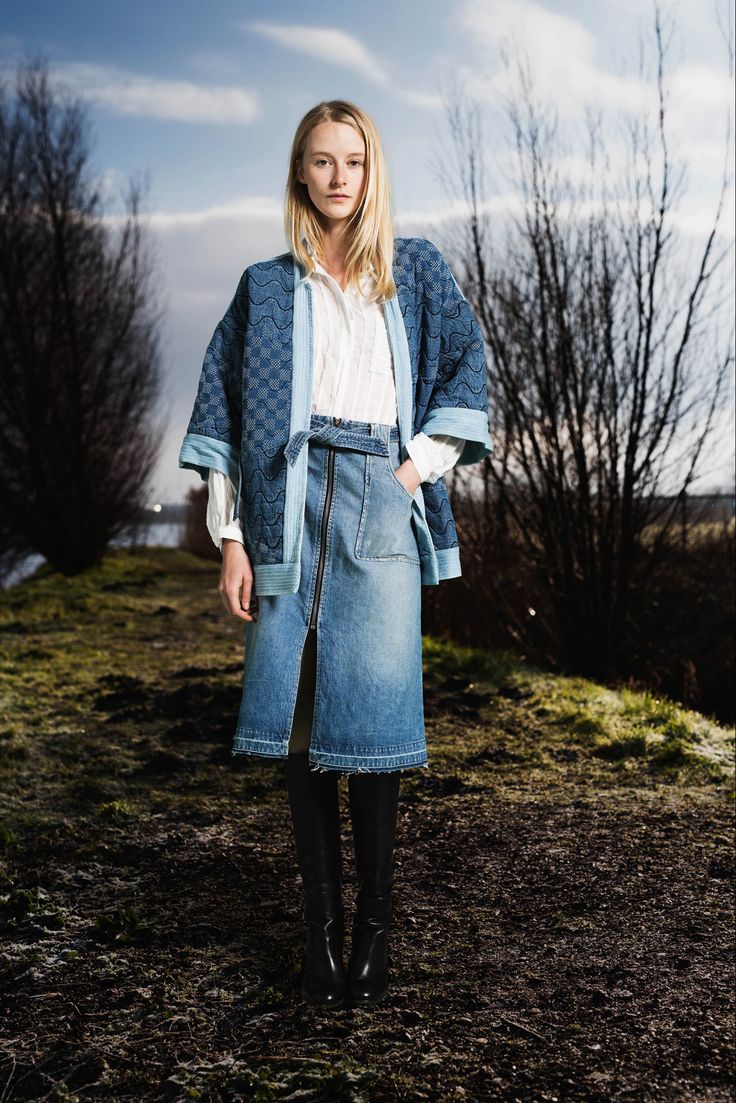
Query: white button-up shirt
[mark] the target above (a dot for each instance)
(352, 378)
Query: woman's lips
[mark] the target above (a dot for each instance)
(338, 197)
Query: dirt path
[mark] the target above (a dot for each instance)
(563, 923)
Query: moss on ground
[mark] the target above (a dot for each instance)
(564, 873)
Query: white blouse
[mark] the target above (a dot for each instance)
(353, 378)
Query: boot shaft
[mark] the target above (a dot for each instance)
(374, 800)
(315, 816)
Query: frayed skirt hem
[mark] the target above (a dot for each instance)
(327, 762)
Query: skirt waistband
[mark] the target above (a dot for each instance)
(362, 436)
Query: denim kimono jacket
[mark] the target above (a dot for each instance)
(254, 396)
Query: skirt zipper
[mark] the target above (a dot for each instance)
(323, 532)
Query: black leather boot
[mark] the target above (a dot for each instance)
(374, 800)
(315, 816)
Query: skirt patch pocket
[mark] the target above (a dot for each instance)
(386, 530)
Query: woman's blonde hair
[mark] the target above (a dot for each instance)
(371, 237)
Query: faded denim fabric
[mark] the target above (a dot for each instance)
(368, 707)
(254, 395)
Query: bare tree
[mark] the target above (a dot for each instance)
(607, 366)
(78, 338)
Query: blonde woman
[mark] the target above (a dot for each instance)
(345, 378)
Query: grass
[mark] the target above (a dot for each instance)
(562, 882)
(642, 739)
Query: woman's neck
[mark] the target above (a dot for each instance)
(335, 253)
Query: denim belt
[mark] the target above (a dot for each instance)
(365, 436)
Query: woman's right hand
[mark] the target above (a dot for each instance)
(236, 582)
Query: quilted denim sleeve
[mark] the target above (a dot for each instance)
(213, 436)
(459, 402)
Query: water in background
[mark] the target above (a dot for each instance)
(161, 532)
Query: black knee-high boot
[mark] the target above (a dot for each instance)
(374, 800)
(315, 815)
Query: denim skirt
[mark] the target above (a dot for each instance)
(350, 638)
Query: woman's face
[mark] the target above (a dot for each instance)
(334, 165)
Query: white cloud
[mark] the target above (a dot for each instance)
(561, 55)
(430, 100)
(338, 47)
(129, 93)
(326, 43)
(698, 99)
(567, 64)
(255, 207)
(567, 67)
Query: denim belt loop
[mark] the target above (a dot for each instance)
(386, 433)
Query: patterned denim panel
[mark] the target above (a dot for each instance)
(267, 412)
(421, 306)
(455, 369)
(244, 394)
(447, 355)
(217, 410)
(438, 512)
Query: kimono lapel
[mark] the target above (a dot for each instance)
(301, 393)
(301, 405)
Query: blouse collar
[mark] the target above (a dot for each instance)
(367, 281)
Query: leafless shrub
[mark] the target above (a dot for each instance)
(78, 338)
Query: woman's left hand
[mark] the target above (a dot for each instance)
(408, 475)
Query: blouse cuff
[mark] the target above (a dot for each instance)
(221, 522)
(433, 455)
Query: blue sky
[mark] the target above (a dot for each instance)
(204, 100)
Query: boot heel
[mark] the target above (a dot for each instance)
(323, 977)
(367, 980)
